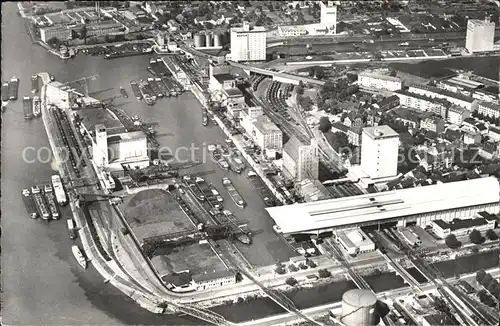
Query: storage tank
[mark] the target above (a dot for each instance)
(199, 41)
(208, 40)
(217, 40)
(359, 308)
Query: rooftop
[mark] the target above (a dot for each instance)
(126, 136)
(461, 224)
(212, 276)
(221, 78)
(445, 92)
(292, 147)
(369, 208)
(255, 29)
(94, 116)
(380, 132)
(233, 92)
(466, 83)
(480, 22)
(438, 319)
(265, 125)
(423, 97)
(340, 126)
(380, 76)
(490, 105)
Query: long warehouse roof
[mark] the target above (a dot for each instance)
(337, 212)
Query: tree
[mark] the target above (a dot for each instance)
(320, 72)
(325, 124)
(393, 73)
(292, 268)
(490, 234)
(480, 276)
(297, 6)
(280, 268)
(302, 266)
(452, 242)
(323, 273)
(300, 90)
(476, 237)
(311, 72)
(310, 263)
(486, 279)
(54, 43)
(291, 281)
(338, 141)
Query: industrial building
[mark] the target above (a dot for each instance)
(223, 86)
(460, 85)
(328, 16)
(355, 242)
(467, 102)
(379, 152)
(263, 131)
(419, 205)
(378, 81)
(463, 227)
(291, 31)
(248, 43)
(61, 32)
(212, 280)
(480, 35)
(300, 161)
(208, 40)
(359, 308)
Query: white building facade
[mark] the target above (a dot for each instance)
(377, 81)
(379, 152)
(328, 17)
(480, 35)
(263, 131)
(248, 43)
(300, 161)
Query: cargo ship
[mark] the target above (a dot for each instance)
(204, 117)
(233, 193)
(5, 92)
(123, 92)
(207, 192)
(34, 84)
(27, 107)
(36, 106)
(261, 188)
(80, 258)
(135, 90)
(146, 93)
(196, 191)
(29, 203)
(71, 228)
(40, 204)
(49, 197)
(59, 190)
(13, 88)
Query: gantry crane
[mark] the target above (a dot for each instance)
(84, 79)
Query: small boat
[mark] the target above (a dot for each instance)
(80, 258)
(216, 193)
(13, 88)
(223, 164)
(36, 106)
(123, 92)
(34, 84)
(5, 92)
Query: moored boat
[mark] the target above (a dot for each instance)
(196, 191)
(223, 164)
(135, 90)
(34, 84)
(233, 193)
(27, 107)
(40, 203)
(29, 203)
(59, 190)
(5, 92)
(216, 193)
(13, 88)
(261, 188)
(36, 106)
(80, 258)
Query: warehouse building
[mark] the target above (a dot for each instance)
(419, 205)
(463, 227)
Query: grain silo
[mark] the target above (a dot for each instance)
(217, 40)
(199, 41)
(359, 308)
(208, 40)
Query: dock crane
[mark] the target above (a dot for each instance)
(84, 79)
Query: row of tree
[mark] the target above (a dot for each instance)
(490, 284)
(485, 117)
(475, 237)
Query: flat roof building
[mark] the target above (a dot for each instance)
(379, 152)
(300, 160)
(379, 81)
(422, 205)
(480, 35)
(248, 43)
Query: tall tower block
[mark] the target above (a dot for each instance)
(100, 147)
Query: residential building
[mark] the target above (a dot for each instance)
(379, 151)
(472, 138)
(328, 16)
(480, 35)
(467, 102)
(339, 127)
(424, 103)
(380, 82)
(354, 136)
(489, 109)
(408, 117)
(457, 114)
(461, 227)
(62, 33)
(387, 103)
(494, 134)
(212, 280)
(262, 130)
(489, 150)
(300, 161)
(248, 43)
(433, 123)
(291, 31)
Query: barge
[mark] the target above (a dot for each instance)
(51, 201)
(207, 192)
(261, 188)
(29, 203)
(71, 228)
(196, 191)
(13, 88)
(135, 90)
(162, 87)
(80, 258)
(36, 106)
(40, 203)
(204, 117)
(34, 84)
(5, 92)
(59, 190)
(233, 193)
(27, 107)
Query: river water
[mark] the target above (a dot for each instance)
(42, 283)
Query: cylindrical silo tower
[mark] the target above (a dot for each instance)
(359, 308)
(217, 40)
(208, 40)
(199, 41)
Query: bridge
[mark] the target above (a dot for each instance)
(277, 76)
